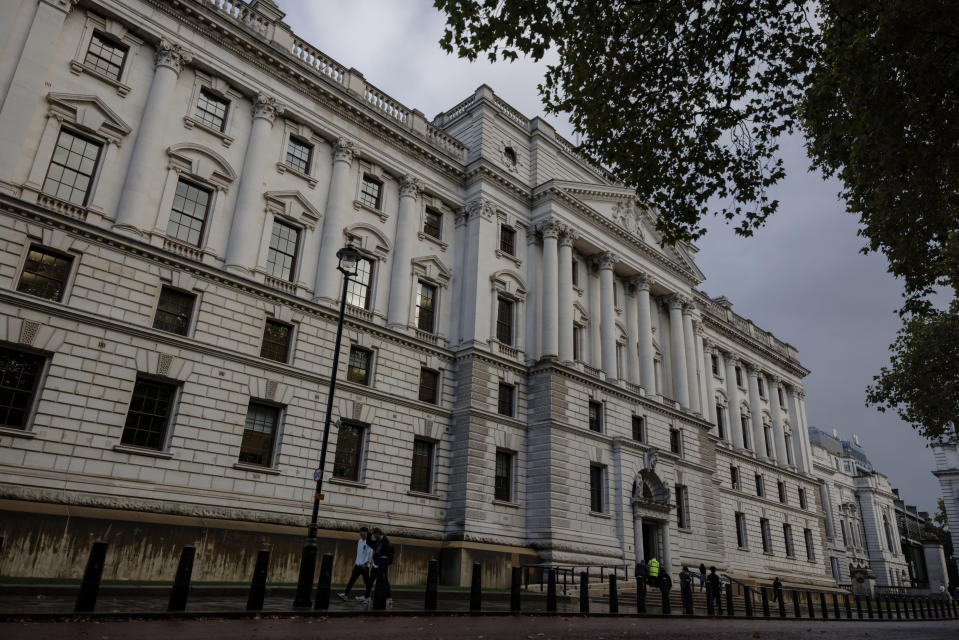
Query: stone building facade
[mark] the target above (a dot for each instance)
(527, 375)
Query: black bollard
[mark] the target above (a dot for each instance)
(922, 610)
(869, 606)
(748, 602)
(641, 594)
(476, 588)
(90, 586)
(730, 608)
(822, 605)
(915, 615)
(835, 605)
(583, 592)
(613, 596)
(551, 591)
(709, 600)
(304, 583)
(859, 607)
(181, 581)
(379, 588)
(845, 600)
(782, 604)
(665, 599)
(812, 612)
(928, 608)
(796, 606)
(879, 606)
(765, 599)
(515, 603)
(895, 601)
(433, 580)
(254, 601)
(905, 607)
(323, 589)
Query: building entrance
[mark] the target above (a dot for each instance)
(651, 547)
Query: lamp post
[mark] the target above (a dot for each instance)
(348, 257)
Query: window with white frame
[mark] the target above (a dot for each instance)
(742, 538)
(282, 252)
(72, 168)
(360, 288)
(597, 488)
(188, 215)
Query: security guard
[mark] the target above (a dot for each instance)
(653, 565)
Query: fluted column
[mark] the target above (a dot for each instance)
(550, 231)
(689, 347)
(756, 415)
(779, 434)
(701, 371)
(534, 277)
(632, 344)
(595, 313)
(247, 228)
(401, 280)
(677, 341)
(133, 213)
(607, 313)
(732, 394)
(566, 239)
(807, 447)
(799, 454)
(708, 380)
(338, 202)
(647, 368)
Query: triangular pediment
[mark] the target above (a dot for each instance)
(432, 267)
(90, 113)
(293, 205)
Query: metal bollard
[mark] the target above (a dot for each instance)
(551, 591)
(879, 606)
(765, 599)
(90, 586)
(845, 599)
(869, 606)
(710, 610)
(822, 605)
(583, 592)
(782, 604)
(730, 608)
(859, 607)
(796, 605)
(915, 615)
(613, 596)
(905, 607)
(181, 581)
(323, 585)
(895, 601)
(254, 601)
(748, 602)
(835, 605)
(433, 580)
(476, 588)
(641, 594)
(665, 600)
(922, 609)
(515, 603)
(812, 612)
(379, 589)
(304, 582)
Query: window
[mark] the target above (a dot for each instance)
(359, 288)
(734, 477)
(276, 341)
(597, 497)
(429, 383)
(299, 154)
(834, 564)
(788, 538)
(349, 449)
(639, 429)
(371, 192)
(105, 57)
(174, 310)
(433, 223)
(577, 343)
(507, 240)
(421, 477)
(888, 532)
(620, 361)
(281, 256)
(767, 436)
(781, 487)
(842, 528)
(739, 376)
(721, 421)
(191, 204)
(19, 375)
(259, 434)
(762, 387)
(71, 168)
(596, 416)
(810, 549)
(741, 538)
(358, 369)
(682, 506)
(211, 110)
(676, 441)
(767, 536)
(575, 272)
(150, 409)
(426, 307)
(45, 273)
(789, 449)
(505, 401)
(714, 360)
(802, 498)
(760, 487)
(510, 155)
(615, 294)
(744, 423)
(779, 391)
(504, 320)
(503, 480)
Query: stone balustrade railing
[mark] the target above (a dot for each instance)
(386, 104)
(317, 61)
(746, 326)
(239, 11)
(447, 142)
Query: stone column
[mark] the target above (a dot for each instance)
(779, 434)
(804, 432)
(632, 344)
(133, 213)
(338, 203)
(534, 277)
(401, 281)
(708, 380)
(595, 313)
(666, 555)
(689, 347)
(701, 371)
(565, 279)
(756, 415)
(607, 313)
(550, 231)
(799, 455)
(678, 352)
(647, 369)
(638, 535)
(247, 230)
(732, 395)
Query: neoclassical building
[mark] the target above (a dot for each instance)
(527, 375)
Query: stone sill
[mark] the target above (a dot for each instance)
(505, 503)
(282, 167)
(17, 433)
(360, 206)
(78, 67)
(502, 254)
(270, 471)
(150, 453)
(190, 122)
(420, 494)
(601, 514)
(347, 483)
(428, 238)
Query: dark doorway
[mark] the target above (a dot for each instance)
(651, 541)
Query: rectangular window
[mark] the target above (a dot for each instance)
(789, 449)
(421, 476)
(149, 414)
(760, 487)
(762, 387)
(781, 487)
(105, 56)
(426, 307)
(577, 343)
(45, 273)
(299, 154)
(191, 204)
(349, 449)
(768, 436)
(276, 341)
(810, 549)
(281, 256)
(788, 538)
(507, 240)
(744, 423)
(371, 192)
(676, 441)
(575, 272)
(433, 223)
(597, 491)
(358, 369)
(596, 416)
(734, 477)
(721, 421)
(19, 376)
(360, 286)
(174, 311)
(505, 402)
(767, 536)
(504, 321)
(682, 506)
(741, 538)
(802, 498)
(842, 528)
(715, 363)
(834, 563)
(639, 429)
(259, 434)
(620, 361)
(211, 110)
(739, 376)
(429, 383)
(779, 391)
(71, 168)
(503, 480)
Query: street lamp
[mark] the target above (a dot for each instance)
(348, 257)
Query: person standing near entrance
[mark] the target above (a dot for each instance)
(777, 590)
(361, 566)
(686, 589)
(642, 577)
(713, 590)
(653, 565)
(382, 559)
(702, 576)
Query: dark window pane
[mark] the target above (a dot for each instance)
(71, 168)
(149, 414)
(349, 443)
(276, 341)
(422, 472)
(432, 226)
(299, 154)
(596, 488)
(358, 369)
(720, 422)
(575, 272)
(675, 442)
(639, 429)
(370, 192)
(281, 257)
(503, 479)
(259, 434)
(507, 240)
(105, 57)
(425, 307)
(19, 374)
(188, 214)
(174, 311)
(211, 110)
(45, 274)
(506, 393)
(504, 321)
(428, 385)
(359, 288)
(596, 416)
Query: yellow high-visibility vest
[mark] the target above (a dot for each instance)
(654, 568)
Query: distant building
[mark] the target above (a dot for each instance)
(946, 455)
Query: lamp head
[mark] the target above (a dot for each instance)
(348, 257)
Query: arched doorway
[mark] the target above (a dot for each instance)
(651, 507)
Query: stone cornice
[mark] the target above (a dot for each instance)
(770, 467)
(751, 344)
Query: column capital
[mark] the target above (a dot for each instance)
(606, 260)
(643, 281)
(171, 55)
(775, 379)
(550, 228)
(410, 187)
(265, 107)
(567, 236)
(344, 150)
(482, 207)
(677, 302)
(708, 345)
(730, 357)
(752, 370)
(63, 5)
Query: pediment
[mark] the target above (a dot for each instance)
(90, 113)
(432, 267)
(293, 205)
(202, 162)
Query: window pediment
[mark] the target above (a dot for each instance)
(203, 163)
(370, 239)
(89, 113)
(510, 283)
(431, 267)
(292, 205)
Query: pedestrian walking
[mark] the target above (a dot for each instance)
(714, 591)
(642, 573)
(361, 566)
(777, 590)
(686, 589)
(702, 576)
(382, 559)
(653, 565)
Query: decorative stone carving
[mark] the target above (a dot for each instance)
(626, 216)
(567, 236)
(265, 107)
(677, 301)
(607, 260)
(410, 187)
(345, 150)
(172, 55)
(643, 282)
(480, 207)
(550, 228)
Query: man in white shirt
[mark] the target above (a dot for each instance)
(361, 567)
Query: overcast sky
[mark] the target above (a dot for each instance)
(801, 277)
